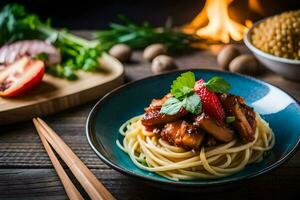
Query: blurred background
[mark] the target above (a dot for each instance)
(88, 14)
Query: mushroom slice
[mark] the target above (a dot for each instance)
(216, 128)
(245, 122)
(183, 134)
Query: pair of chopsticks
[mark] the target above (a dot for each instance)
(85, 177)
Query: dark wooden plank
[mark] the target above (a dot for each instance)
(44, 184)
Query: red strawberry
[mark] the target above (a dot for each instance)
(210, 101)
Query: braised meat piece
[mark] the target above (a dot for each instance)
(216, 128)
(153, 117)
(157, 103)
(182, 134)
(245, 122)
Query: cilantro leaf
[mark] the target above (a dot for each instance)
(217, 84)
(230, 119)
(183, 85)
(192, 103)
(171, 106)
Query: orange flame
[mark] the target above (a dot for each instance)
(256, 6)
(220, 27)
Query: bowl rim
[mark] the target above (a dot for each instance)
(216, 182)
(261, 53)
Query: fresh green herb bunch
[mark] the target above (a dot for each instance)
(77, 53)
(16, 24)
(139, 36)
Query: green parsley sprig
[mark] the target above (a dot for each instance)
(184, 95)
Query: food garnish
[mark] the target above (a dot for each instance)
(192, 95)
(171, 106)
(210, 101)
(230, 119)
(153, 115)
(184, 96)
(217, 84)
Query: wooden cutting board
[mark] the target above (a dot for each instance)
(56, 94)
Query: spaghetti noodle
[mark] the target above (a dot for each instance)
(149, 152)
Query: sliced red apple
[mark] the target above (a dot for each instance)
(21, 76)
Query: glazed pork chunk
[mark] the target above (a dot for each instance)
(182, 134)
(153, 117)
(245, 122)
(217, 129)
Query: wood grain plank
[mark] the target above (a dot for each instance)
(43, 183)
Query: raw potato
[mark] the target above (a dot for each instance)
(121, 51)
(162, 63)
(153, 51)
(226, 55)
(244, 64)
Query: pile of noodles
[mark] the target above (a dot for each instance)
(151, 153)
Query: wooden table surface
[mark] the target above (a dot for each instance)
(27, 173)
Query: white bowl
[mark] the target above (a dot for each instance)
(288, 68)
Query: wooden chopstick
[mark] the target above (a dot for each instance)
(85, 177)
(70, 189)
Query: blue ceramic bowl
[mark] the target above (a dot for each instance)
(276, 107)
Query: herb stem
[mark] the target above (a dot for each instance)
(64, 35)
